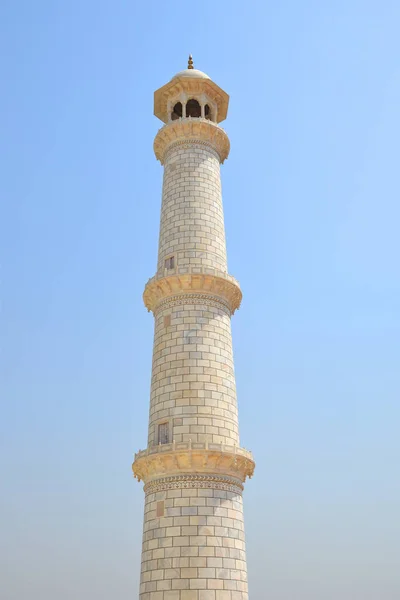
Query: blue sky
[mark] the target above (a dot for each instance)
(311, 197)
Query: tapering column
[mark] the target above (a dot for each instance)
(193, 467)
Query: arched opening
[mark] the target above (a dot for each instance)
(207, 112)
(193, 108)
(177, 111)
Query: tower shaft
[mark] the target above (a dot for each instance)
(193, 467)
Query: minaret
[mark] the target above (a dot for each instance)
(193, 468)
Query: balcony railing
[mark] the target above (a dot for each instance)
(192, 270)
(188, 446)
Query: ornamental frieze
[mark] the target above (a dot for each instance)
(175, 482)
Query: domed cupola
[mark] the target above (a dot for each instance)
(191, 93)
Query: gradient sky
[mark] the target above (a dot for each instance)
(311, 197)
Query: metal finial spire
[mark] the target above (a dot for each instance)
(190, 62)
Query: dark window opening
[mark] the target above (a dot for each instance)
(160, 508)
(170, 262)
(177, 111)
(207, 112)
(193, 109)
(163, 433)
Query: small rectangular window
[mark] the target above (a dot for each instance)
(170, 262)
(163, 437)
(167, 320)
(160, 508)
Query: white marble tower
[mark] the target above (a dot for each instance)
(193, 468)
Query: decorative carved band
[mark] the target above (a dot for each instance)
(229, 484)
(199, 458)
(198, 130)
(182, 285)
(207, 299)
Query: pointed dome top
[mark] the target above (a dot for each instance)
(191, 71)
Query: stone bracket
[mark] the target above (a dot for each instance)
(202, 458)
(221, 285)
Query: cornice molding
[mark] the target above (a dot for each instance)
(186, 131)
(215, 285)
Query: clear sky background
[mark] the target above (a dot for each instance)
(311, 196)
